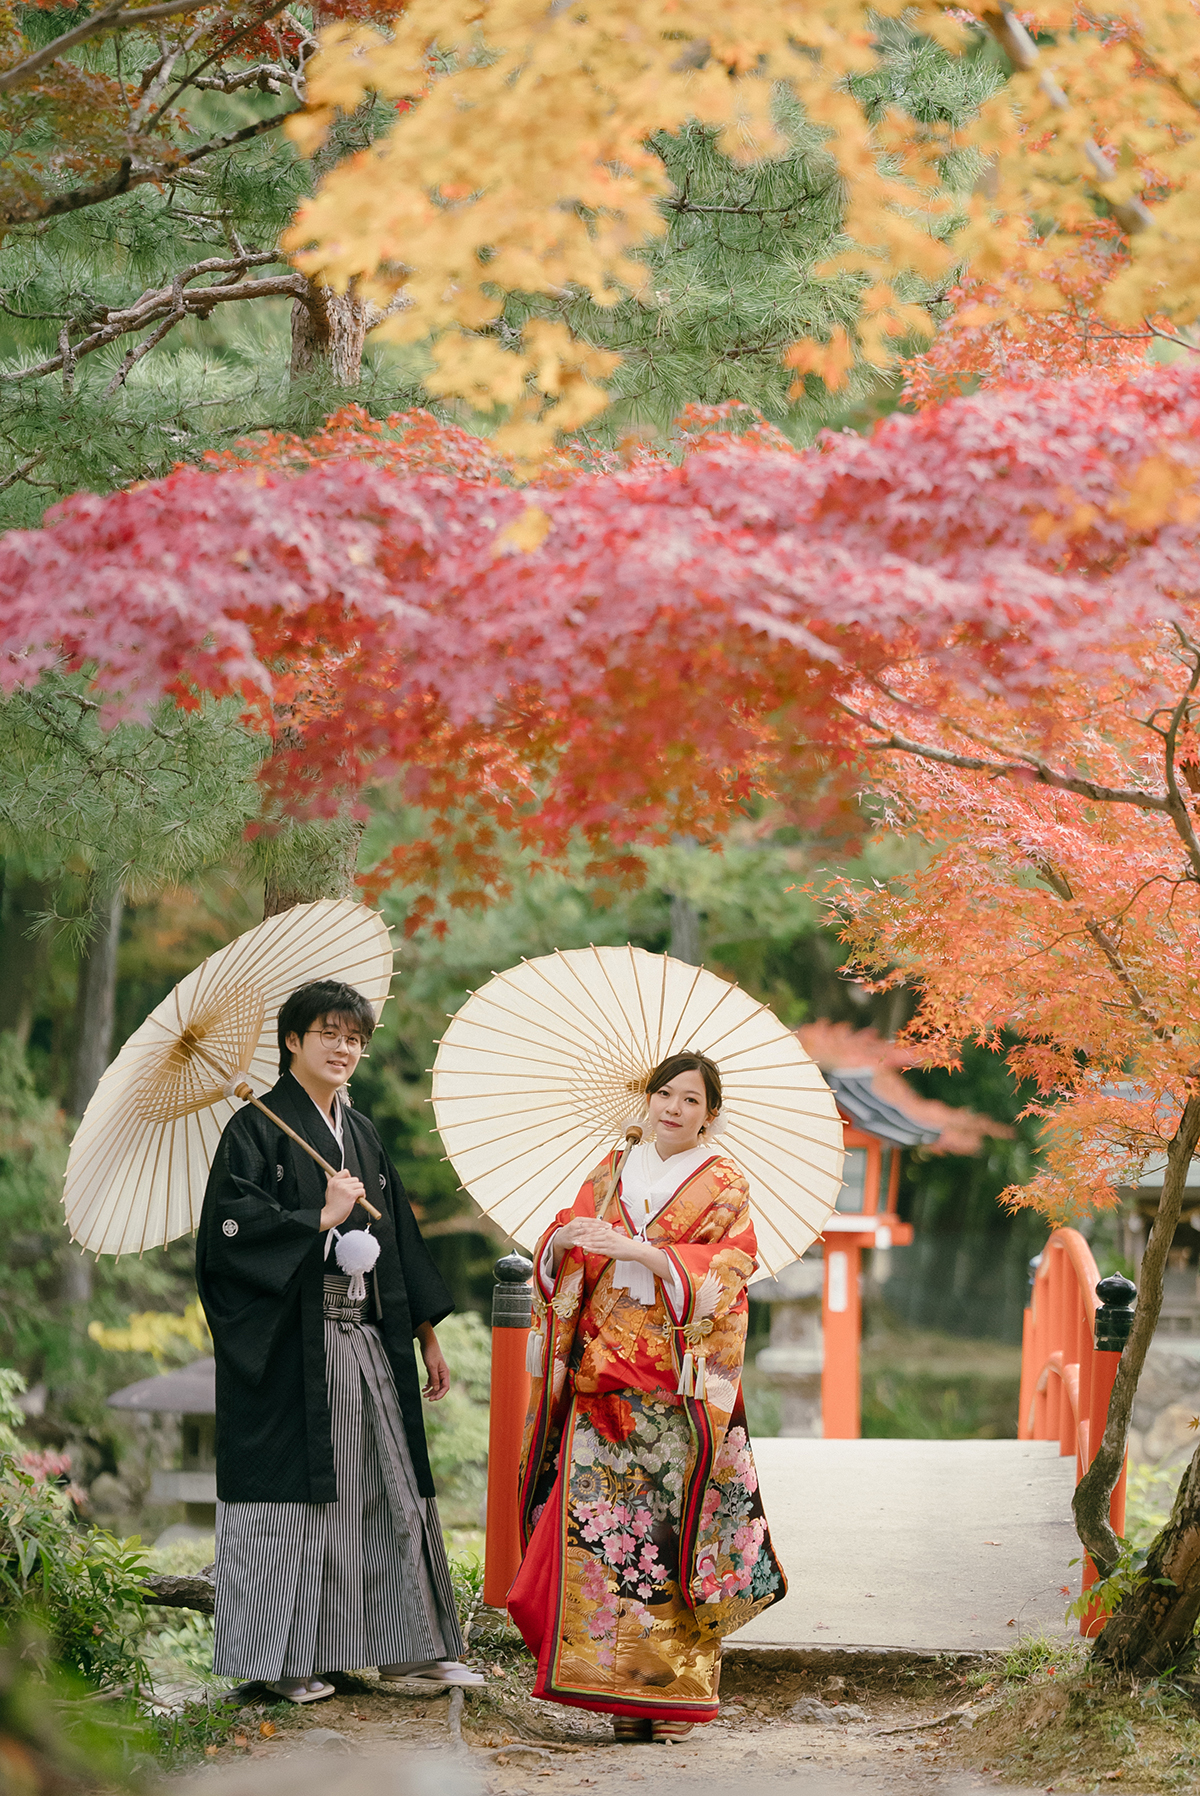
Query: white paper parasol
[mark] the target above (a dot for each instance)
(541, 1069)
(140, 1159)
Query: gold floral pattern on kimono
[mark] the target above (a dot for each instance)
(638, 1481)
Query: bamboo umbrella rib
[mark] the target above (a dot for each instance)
(777, 1195)
(476, 1022)
(794, 1159)
(667, 1048)
(617, 999)
(474, 1147)
(557, 1152)
(562, 996)
(748, 1017)
(482, 997)
(599, 1019)
(580, 1163)
(694, 1030)
(506, 1054)
(112, 1193)
(798, 1153)
(757, 1047)
(162, 1134)
(96, 1188)
(637, 986)
(744, 1107)
(474, 1097)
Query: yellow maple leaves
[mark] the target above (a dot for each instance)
(520, 162)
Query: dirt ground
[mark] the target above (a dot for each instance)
(864, 1727)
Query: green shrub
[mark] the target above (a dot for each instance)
(79, 1586)
(457, 1426)
(186, 1640)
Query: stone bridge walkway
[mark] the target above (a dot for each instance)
(944, 1546)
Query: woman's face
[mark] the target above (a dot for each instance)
(679, 1111)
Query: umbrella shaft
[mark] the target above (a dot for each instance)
(631, 1142)
(312, 1153)
(244, 1091)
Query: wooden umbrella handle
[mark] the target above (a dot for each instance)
(633, 1135)
(244, 1091)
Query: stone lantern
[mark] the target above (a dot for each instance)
(189, 1393)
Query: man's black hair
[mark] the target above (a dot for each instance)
(324, 998)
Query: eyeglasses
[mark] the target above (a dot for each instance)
(333, 1038)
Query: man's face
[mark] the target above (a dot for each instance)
(329, 1050)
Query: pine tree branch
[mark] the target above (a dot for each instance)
(173, 302)
(1133, 215)
(679, 203)
(20, 473)
(125, 178)
(276, 6)
(110, 18)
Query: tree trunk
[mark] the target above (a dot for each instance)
(685, 931)
(22, 958)
(311, 861)
(1095, 1488)
(328, 332)
(1153, 1627)
(95, 1003)
(95, 1007)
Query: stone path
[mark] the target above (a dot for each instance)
(930, 1545)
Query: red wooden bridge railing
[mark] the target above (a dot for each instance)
(1066, 1377)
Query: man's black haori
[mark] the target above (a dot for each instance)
(260, 1269)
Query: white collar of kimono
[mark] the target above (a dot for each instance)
(648, 1184)
(335, 1127)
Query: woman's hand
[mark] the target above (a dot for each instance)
(435, 1365)
(613, 1244)
(342, 1192)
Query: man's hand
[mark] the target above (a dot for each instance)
(342, 1192)
(435, 1365)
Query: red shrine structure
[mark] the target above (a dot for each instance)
(883, 1115)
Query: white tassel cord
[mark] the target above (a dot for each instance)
(701, 1381)
(356, 1253)
(535, 1347)
(684, 1387)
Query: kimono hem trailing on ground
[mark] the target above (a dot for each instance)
(645, 1539)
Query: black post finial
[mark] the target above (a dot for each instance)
(1114, 1318)
(512, 1294)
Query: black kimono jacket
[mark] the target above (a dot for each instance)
(260, 1269)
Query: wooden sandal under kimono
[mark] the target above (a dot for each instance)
(666, 1731)
(302, 1689)
(630, 1730)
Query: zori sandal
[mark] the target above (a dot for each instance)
(433, 1671)
(630, 1730)
(302, 1689)
(667, 1731)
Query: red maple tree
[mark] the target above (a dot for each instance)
(621, 653)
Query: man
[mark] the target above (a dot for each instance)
(329, 1549)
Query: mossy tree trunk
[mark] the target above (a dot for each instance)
(1152, 1629)
(1095, 1488)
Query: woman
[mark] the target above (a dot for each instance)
(329, 1549)
(644, 1533)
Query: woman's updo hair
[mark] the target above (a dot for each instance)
(688, 1063)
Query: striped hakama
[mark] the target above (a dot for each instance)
(303, 1588)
